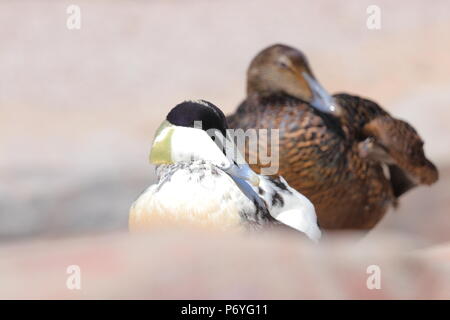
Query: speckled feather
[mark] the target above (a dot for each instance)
(200, 194)
(320, 155)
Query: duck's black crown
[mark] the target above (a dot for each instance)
(187, 113)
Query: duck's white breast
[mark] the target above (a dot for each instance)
(191, 194)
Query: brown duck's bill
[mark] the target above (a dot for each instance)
(322, 100)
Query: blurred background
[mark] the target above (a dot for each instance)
(78, 108)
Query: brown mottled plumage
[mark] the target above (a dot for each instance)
(351, 158)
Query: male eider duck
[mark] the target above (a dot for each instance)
(350, 157)
(200, 184)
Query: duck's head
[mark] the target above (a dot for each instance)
(197, 130)
(280, 69)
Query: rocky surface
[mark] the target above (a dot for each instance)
(188, 264)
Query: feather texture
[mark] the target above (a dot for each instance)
(198, 193)
(320, 155)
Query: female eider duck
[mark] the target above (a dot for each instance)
(351, 158)
(199, 183)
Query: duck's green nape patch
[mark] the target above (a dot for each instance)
(161, 152)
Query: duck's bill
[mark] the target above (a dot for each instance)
(321, 100)
(243, 171)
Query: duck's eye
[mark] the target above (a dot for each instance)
(283, 65)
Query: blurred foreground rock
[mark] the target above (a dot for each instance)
(189, 264)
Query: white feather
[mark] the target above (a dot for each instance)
(191, 195)
(296, 212)
(190, 144)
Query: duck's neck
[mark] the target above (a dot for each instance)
(262, 98)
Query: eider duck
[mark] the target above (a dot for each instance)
(350, 157)
(200, 183)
